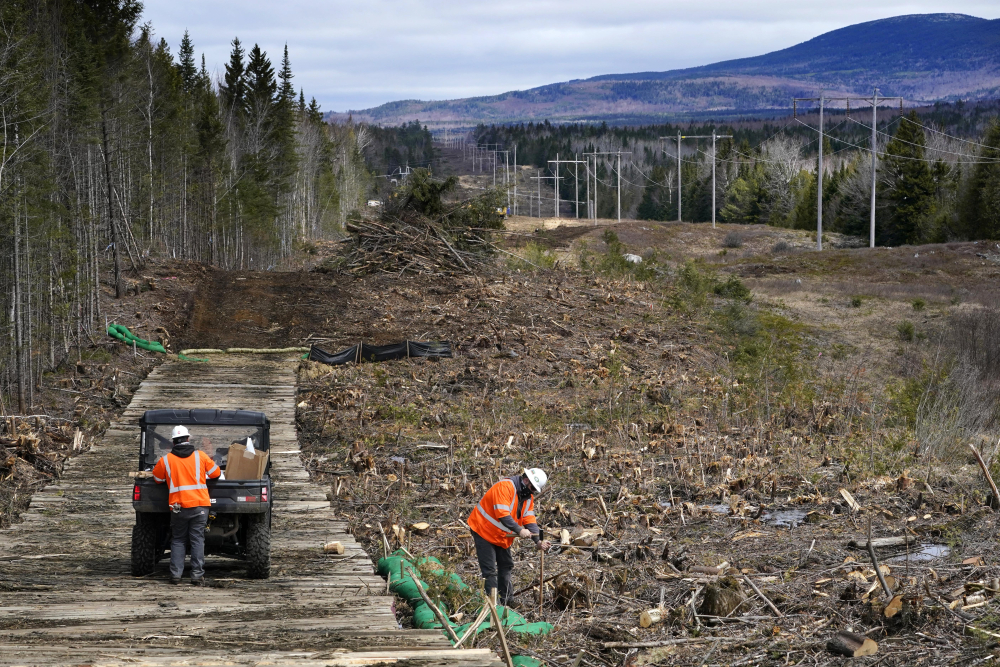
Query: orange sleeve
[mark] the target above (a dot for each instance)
(160, 471)
(529, 513)
(212, 470)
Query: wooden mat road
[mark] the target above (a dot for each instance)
(67, 596)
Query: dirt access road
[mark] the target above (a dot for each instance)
(68, 596)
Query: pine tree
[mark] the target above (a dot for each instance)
(261, 87)
(981, 205)
(907, 187)
(185, 57)
(315, 115)
(286, 93)
(234, 88)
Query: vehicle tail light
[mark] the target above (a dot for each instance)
(136, 493)
(263, 494)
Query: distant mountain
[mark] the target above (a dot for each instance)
(922, 57)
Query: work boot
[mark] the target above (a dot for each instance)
(198, 582)
(175, 580)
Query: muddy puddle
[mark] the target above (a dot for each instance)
(785, 518)
(923, 553)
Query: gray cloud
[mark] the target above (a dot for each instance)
(354, 55)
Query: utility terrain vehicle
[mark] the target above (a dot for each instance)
(239, 521)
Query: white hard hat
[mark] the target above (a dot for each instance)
(179, 432)
(537, 477)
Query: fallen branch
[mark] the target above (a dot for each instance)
(670, 642)
(483, 613)
(878, 572)
(437, 612)
(986, 471)
(777, 612)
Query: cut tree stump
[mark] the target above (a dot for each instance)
(851, 645)
(650, 617)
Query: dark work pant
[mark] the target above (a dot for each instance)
(186, 526)
(496, 565)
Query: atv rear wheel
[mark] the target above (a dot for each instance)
(145, 545)
(259, 546)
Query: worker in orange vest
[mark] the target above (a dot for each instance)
(505, 511)
(186, 470)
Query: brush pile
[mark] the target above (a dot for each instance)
(32, 455)
(418, 232)
(394, 245)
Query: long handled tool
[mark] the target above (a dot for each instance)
(541, 581)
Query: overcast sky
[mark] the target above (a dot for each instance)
(358, 54)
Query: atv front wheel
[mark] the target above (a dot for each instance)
(145, 545)
(259, 546)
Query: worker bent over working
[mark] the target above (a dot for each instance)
(507, 510)
(186, 471)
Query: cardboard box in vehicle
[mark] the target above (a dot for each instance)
(241, 464)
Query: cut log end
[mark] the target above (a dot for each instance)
(851, 645)
(334, 548)
(650, 617)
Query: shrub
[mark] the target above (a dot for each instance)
(733, 240)
(856, 302)
(613, 262)
(534, 256)
(781, 246)
(734, 289)
(919, 304)
(906, 330)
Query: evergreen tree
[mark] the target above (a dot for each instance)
(907, 187)
(234, 89)
(656, 203)
(981, 205)
(185, 58)
(286, 93)
(261, 87)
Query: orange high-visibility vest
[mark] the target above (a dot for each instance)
(186, 477)
(500, 501)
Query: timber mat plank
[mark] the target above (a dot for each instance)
(67, 597)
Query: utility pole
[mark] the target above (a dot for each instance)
(515, 179)
(539, 177)
(822, 99)
(619, 170)
(576, 180)
(819, 182)
(576, 176)
(819, 165)
(619, 156)
(555, 186)
(871, 227)
(680, 218)
(713, 137)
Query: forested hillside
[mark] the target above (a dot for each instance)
(115, 148)
(938, 172)
(922, 57)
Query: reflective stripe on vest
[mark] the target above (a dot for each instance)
(197, 475)
(496, 523)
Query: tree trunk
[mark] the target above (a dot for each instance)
(115, 236)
